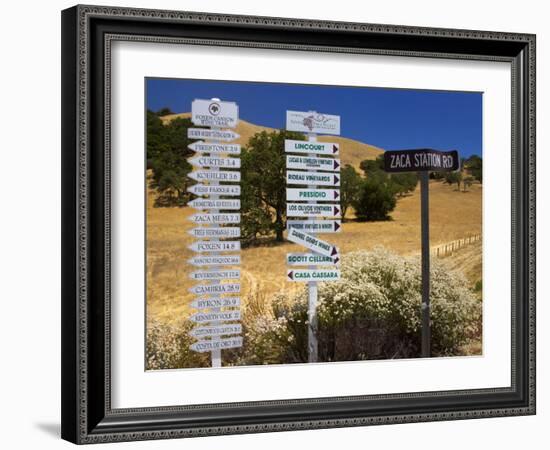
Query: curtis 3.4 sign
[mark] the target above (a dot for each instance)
(419, 160)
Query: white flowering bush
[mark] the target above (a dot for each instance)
(373, 312)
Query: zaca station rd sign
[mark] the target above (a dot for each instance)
(215, 246)
(208, 346)
(214, 135)
(215, 316)
(216, 218)
(211, 161)
(310, 259)
(215, 175)
(229, 288)
(316, 226)
(315, 244)
(203, 147)
(419, 160)
(218, 260)
(215, 274)
(312, 210)
(313, 275)
(219, 233)
(318, 148)
(311, 163)
(214, 113)
(312, 194)
(219, 330)
(312, 178)
(216, 302)
(206, 203)
(228, 190)
(312, 122)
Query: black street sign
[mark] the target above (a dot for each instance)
(419, 160)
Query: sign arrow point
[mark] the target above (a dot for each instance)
(336, 165)
(336, 195)
(336, 179)
(290, 275)
(334, 251)
(334, 149)
(336, 226)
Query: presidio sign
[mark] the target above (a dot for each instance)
(214, 256)
(423, 161)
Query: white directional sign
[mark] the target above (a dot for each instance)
(311, 242)
(215, 316)
(206, 203)
(208, 346)
(229, 190)
(318, 178)
(316, 226)
(313, 275)
(203, 147)
(308, 162)
(215, 302)
(215, 274)
(222, 232)
(215, 135)
(229, 288)
(216, 218)
(218, 260)
(215, 246)
(219, 330)
(215, 175)
(319, 148)
(312, 210)
(310, 259)
(312, 122)
(211, 161)
(214, 113)
(313, 194)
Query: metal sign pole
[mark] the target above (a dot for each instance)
(425, 232)
(312, 296)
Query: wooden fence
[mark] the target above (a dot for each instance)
(449, 248)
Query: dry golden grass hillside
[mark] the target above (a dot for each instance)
(353, 152)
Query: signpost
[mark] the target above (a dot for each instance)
(213, 155)
(423, 161)
(312, 171)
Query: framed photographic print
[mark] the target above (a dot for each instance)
(280, 224)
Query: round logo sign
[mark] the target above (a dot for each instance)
(214, 109)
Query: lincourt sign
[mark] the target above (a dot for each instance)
(420, 160)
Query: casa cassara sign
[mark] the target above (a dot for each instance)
(420, 160)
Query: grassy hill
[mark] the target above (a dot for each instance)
(353, 152)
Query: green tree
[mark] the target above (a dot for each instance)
(263, 184)
(370, 166)
(474, 164)
(164, 111)
(350, 184)
(467, 182)
(404, 183)
(454, 177)
(376, 199)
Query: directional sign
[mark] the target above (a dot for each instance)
(312, 122)
(420, 160)
(311, 242)
(203, 147)
(214, 113)
(215, 246)
(313, 275)
(215, 135)
(308, 162)
(216, 218)
(318, 178)
(229, 190)
(215, 274)
(310, 259)
(229, 288)
(218, 260)
(215, 302)
(203, 203)
(222, 232)
(313, 194)
(312, 210)
(319, 148)
(315, 226)
(208, 346)
(210, 161)
(215, 175)
(215, 316)
(219, 330)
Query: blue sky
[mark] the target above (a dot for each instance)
(388, 118)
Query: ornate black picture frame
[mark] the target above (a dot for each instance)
(87, 35)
